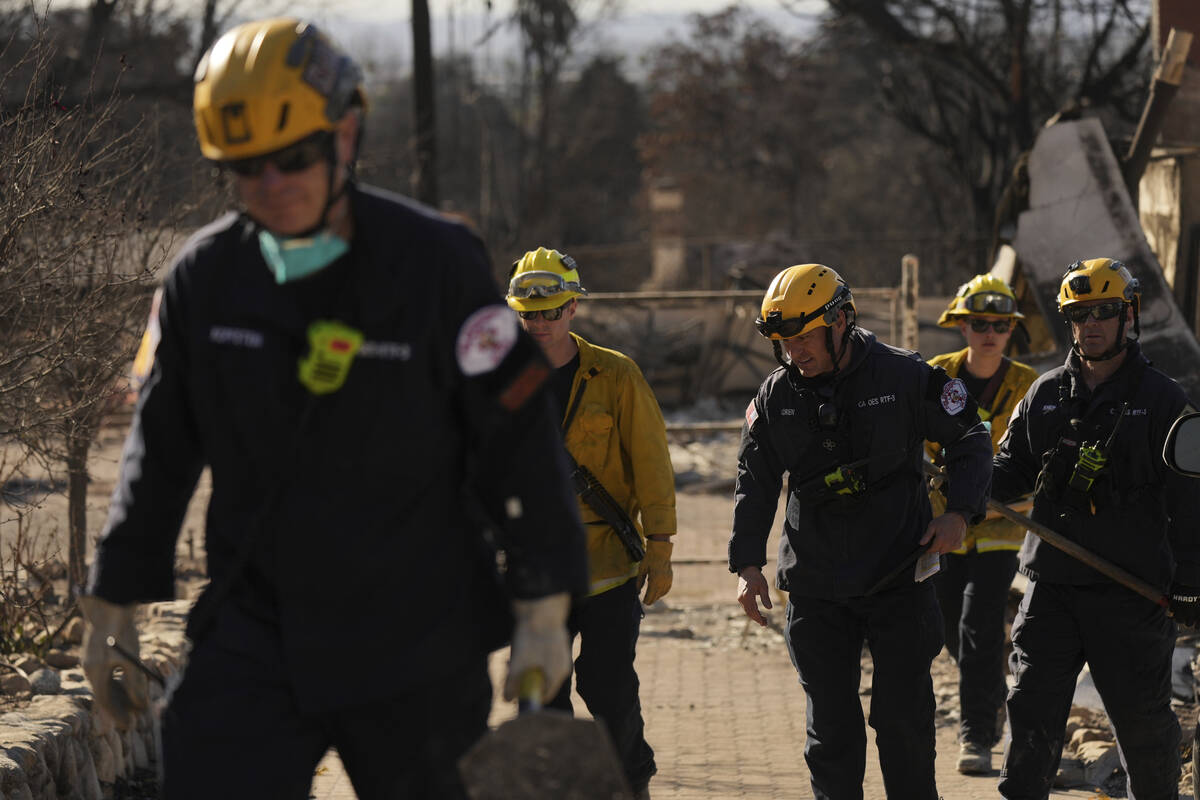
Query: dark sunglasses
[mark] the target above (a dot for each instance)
(550, 314)
(998, 325)
(293, 158)
(1081, 314)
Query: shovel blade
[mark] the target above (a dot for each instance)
(544, 754)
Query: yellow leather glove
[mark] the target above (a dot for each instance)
(122, 699)
(655, 571)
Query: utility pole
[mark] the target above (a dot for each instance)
(424, 178)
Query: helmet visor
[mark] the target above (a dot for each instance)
(541, 284)
(989, 303)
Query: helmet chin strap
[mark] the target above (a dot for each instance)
(794, 371)
(331, 196)
(1117, 348)
(837, 356)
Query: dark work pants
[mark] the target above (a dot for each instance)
(972, 590)
(825, 638)
(232, 728)
(607, 625)
(1127, 642)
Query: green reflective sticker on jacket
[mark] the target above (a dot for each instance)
(331, 349)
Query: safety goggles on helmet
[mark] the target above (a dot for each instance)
(541, 284)
(981, 325)
(294, 158)
(548, 314)
(775, 325)
(989, 303)
(1081, 314)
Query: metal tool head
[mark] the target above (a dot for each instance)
(544, 754)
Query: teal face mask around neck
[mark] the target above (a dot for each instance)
(291, 258)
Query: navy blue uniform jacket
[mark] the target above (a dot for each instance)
(887, 402)
(370, 543)
(1147, 518)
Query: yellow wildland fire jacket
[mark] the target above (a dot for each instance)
(618, 433)
(995, 532)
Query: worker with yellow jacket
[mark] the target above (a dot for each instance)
(616, 438)
(973, 584)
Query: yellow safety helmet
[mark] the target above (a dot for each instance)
(268, 84)
(1098, 279)
(802, 298)
(983, 294)
(543, 279)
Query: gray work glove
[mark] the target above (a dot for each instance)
(123, 699)
(540, 642)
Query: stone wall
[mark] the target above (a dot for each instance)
(58, 748)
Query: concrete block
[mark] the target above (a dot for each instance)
(1079, 208)
(1100, 761)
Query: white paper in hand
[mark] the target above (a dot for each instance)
(927, 566)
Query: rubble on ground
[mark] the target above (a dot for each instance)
(54, 744)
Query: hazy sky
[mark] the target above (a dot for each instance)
(382, 8)
(378, 33)
(377, 30)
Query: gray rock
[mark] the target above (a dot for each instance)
(67, 775)
(61, 659)
(45, 681)
(28, 664)
(89, 782)
(67, 711)
(14, 683)
(103, 758)
(1070, 773)
(12, 775)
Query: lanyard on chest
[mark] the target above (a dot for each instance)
(987, 402)
(1078, 471)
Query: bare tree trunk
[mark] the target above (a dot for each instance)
(425, 177)
(208, 31)
(78, 447)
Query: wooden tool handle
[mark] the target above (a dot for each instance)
(1072, 548)
(529, 692)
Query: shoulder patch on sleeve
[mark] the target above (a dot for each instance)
(751, 414)
(954, 396)
(485, 339)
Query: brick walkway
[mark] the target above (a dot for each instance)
(727, 722)
(724, 710)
